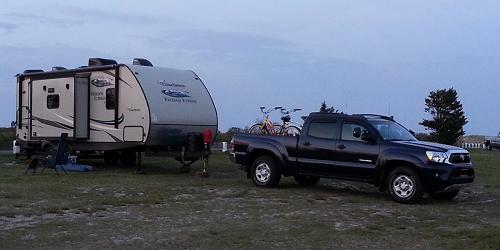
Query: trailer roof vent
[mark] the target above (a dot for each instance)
(101, 61)
(32, 71)
(57, 68)
(142, 62)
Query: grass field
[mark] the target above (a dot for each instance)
(116, 208)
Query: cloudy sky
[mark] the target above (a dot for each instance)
(358, 56)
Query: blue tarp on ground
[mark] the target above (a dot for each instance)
(73, 167)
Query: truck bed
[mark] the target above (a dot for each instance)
(285, 146)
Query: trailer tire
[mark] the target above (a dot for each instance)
(111, 157)
(265, 172)
(128, 158)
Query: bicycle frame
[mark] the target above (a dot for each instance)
(267, 124)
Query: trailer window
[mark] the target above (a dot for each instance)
(53, 101)
(110, 98)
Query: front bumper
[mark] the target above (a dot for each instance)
(443, 177)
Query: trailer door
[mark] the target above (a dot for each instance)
(82, 107)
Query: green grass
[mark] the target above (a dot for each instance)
(115, 208)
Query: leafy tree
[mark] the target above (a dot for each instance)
(448, 118)
(324, 108)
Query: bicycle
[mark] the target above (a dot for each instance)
(266, 127)
(288, 128)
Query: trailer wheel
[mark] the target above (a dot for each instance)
(128, 158)
(265, 172)
(111, 157)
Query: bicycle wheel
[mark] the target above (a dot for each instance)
(290, 131)
(276, 129)
(255, 129)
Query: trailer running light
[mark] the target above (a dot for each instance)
(207, 136)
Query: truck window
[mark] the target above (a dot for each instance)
(110, 98)
(348, 129)
(53, 101)
(323, 130)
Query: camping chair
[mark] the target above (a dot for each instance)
(54, 159)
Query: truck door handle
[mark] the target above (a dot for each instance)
(341, 147)
(307, 144)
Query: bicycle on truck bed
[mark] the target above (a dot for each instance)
(288, 128)
(267, 127)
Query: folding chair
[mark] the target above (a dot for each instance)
(54, 159)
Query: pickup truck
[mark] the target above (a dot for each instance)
(363, 147)
(493, 142)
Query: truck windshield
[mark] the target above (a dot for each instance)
(392, 131)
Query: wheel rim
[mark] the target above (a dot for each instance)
(403, 186)
(262, 172)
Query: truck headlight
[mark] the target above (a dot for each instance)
(436, 156)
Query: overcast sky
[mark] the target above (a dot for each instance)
(358, 56)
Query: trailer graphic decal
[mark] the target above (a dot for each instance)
(101, 82)
(119, 78)
(53, 124)
(175, 93)
(112, 136)
(109, 122)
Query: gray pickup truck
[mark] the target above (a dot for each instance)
(493, 142)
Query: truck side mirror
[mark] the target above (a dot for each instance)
(356, 132)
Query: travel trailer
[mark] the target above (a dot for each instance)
(115, 109)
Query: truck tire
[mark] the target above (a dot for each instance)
(265, 172)
(444, 195)
(404, 185)
(306, 180)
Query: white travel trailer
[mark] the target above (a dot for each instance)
(112, 108)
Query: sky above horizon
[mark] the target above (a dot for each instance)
(359, 56)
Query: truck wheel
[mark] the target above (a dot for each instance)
(444, 195)
(404, 185)
(265, 172)
(306, 180)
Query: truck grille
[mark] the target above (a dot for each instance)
(459, 158)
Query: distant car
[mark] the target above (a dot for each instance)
(493, 142)
(366, 148)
